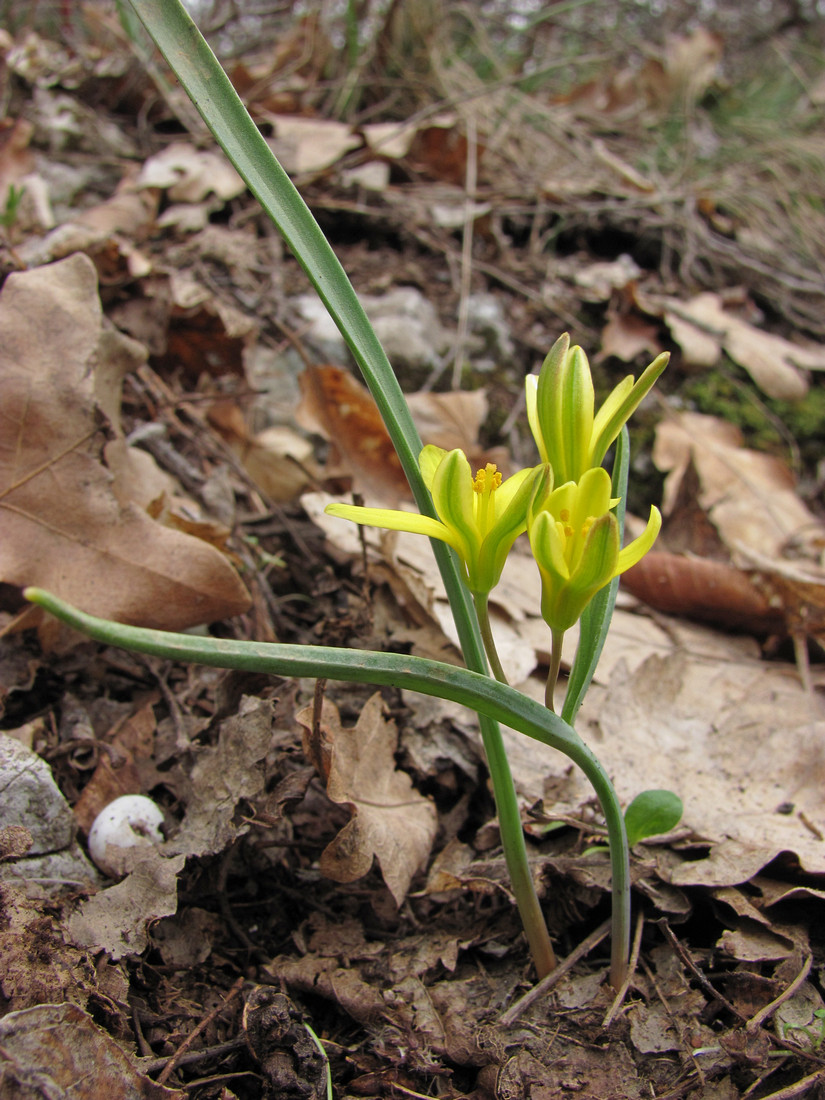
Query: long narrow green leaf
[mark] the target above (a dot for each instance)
(200, 73)
(210, 89)
(595, 622)
(479, 692)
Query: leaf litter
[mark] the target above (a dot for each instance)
(347, 854)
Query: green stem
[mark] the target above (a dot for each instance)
(481, 601)
(211, 91)
(553, 673)
(479, 692)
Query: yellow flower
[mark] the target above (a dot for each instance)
(560, 404)
(575, 541)
(480, 517)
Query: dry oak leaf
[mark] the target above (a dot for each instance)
(342, 409)
(58, 1051)
(776, 365)
(63, 527)
(749, 497)
(712, 591)
(391, 820)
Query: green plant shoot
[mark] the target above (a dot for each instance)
(472, 521)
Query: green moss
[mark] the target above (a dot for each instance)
(767, 424)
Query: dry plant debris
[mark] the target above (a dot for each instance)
(156, 433)
(391, 821)
(64, 520)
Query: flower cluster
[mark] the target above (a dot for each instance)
(573, 532)
(480, 517)
(564, 503)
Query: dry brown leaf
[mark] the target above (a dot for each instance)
(683, 72)
(439, 150)
(59, 1051)
(771, 361)
(342, 409)
(338, 406)
(115, 920)
(700, 349)
(127, 216)
(798, 592)
(698, 589)
(749, 497)
(597, 281)
(190, 174)
(63, 527)
(278, 460)
(627, 336)
(389, 139)
(36, 963)
(309, 144)
(186, 938)
(451, 420)
(391, 821)
(737, 739)
(137, 477)
(131, 739)
(223, 776)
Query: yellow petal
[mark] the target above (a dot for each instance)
(428, 462)
(576, 414)
(530, 387)
(640, 546)
(508, 489)
(453, 499)
(621, 404)
(392, 520)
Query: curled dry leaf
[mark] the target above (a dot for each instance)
(63, 526)
(125, 217)
(190, 174)
(310, 144)
(37, 964)
(712, 591)
(391, 820)
(627, 336)
(116, 920)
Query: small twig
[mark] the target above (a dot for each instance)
(799, 1089)
(192, 1057)
(190, 1038)
(509, 1017)
(217, 1078)
(765, 1013)
(674, 1022)
(759, 1081)
(182, 741)
(143, 1046)
(696, 972)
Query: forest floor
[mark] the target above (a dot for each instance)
(331, 896)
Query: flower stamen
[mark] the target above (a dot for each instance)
(488, 479)
(485, 484)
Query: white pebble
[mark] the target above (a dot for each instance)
(130, 822)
